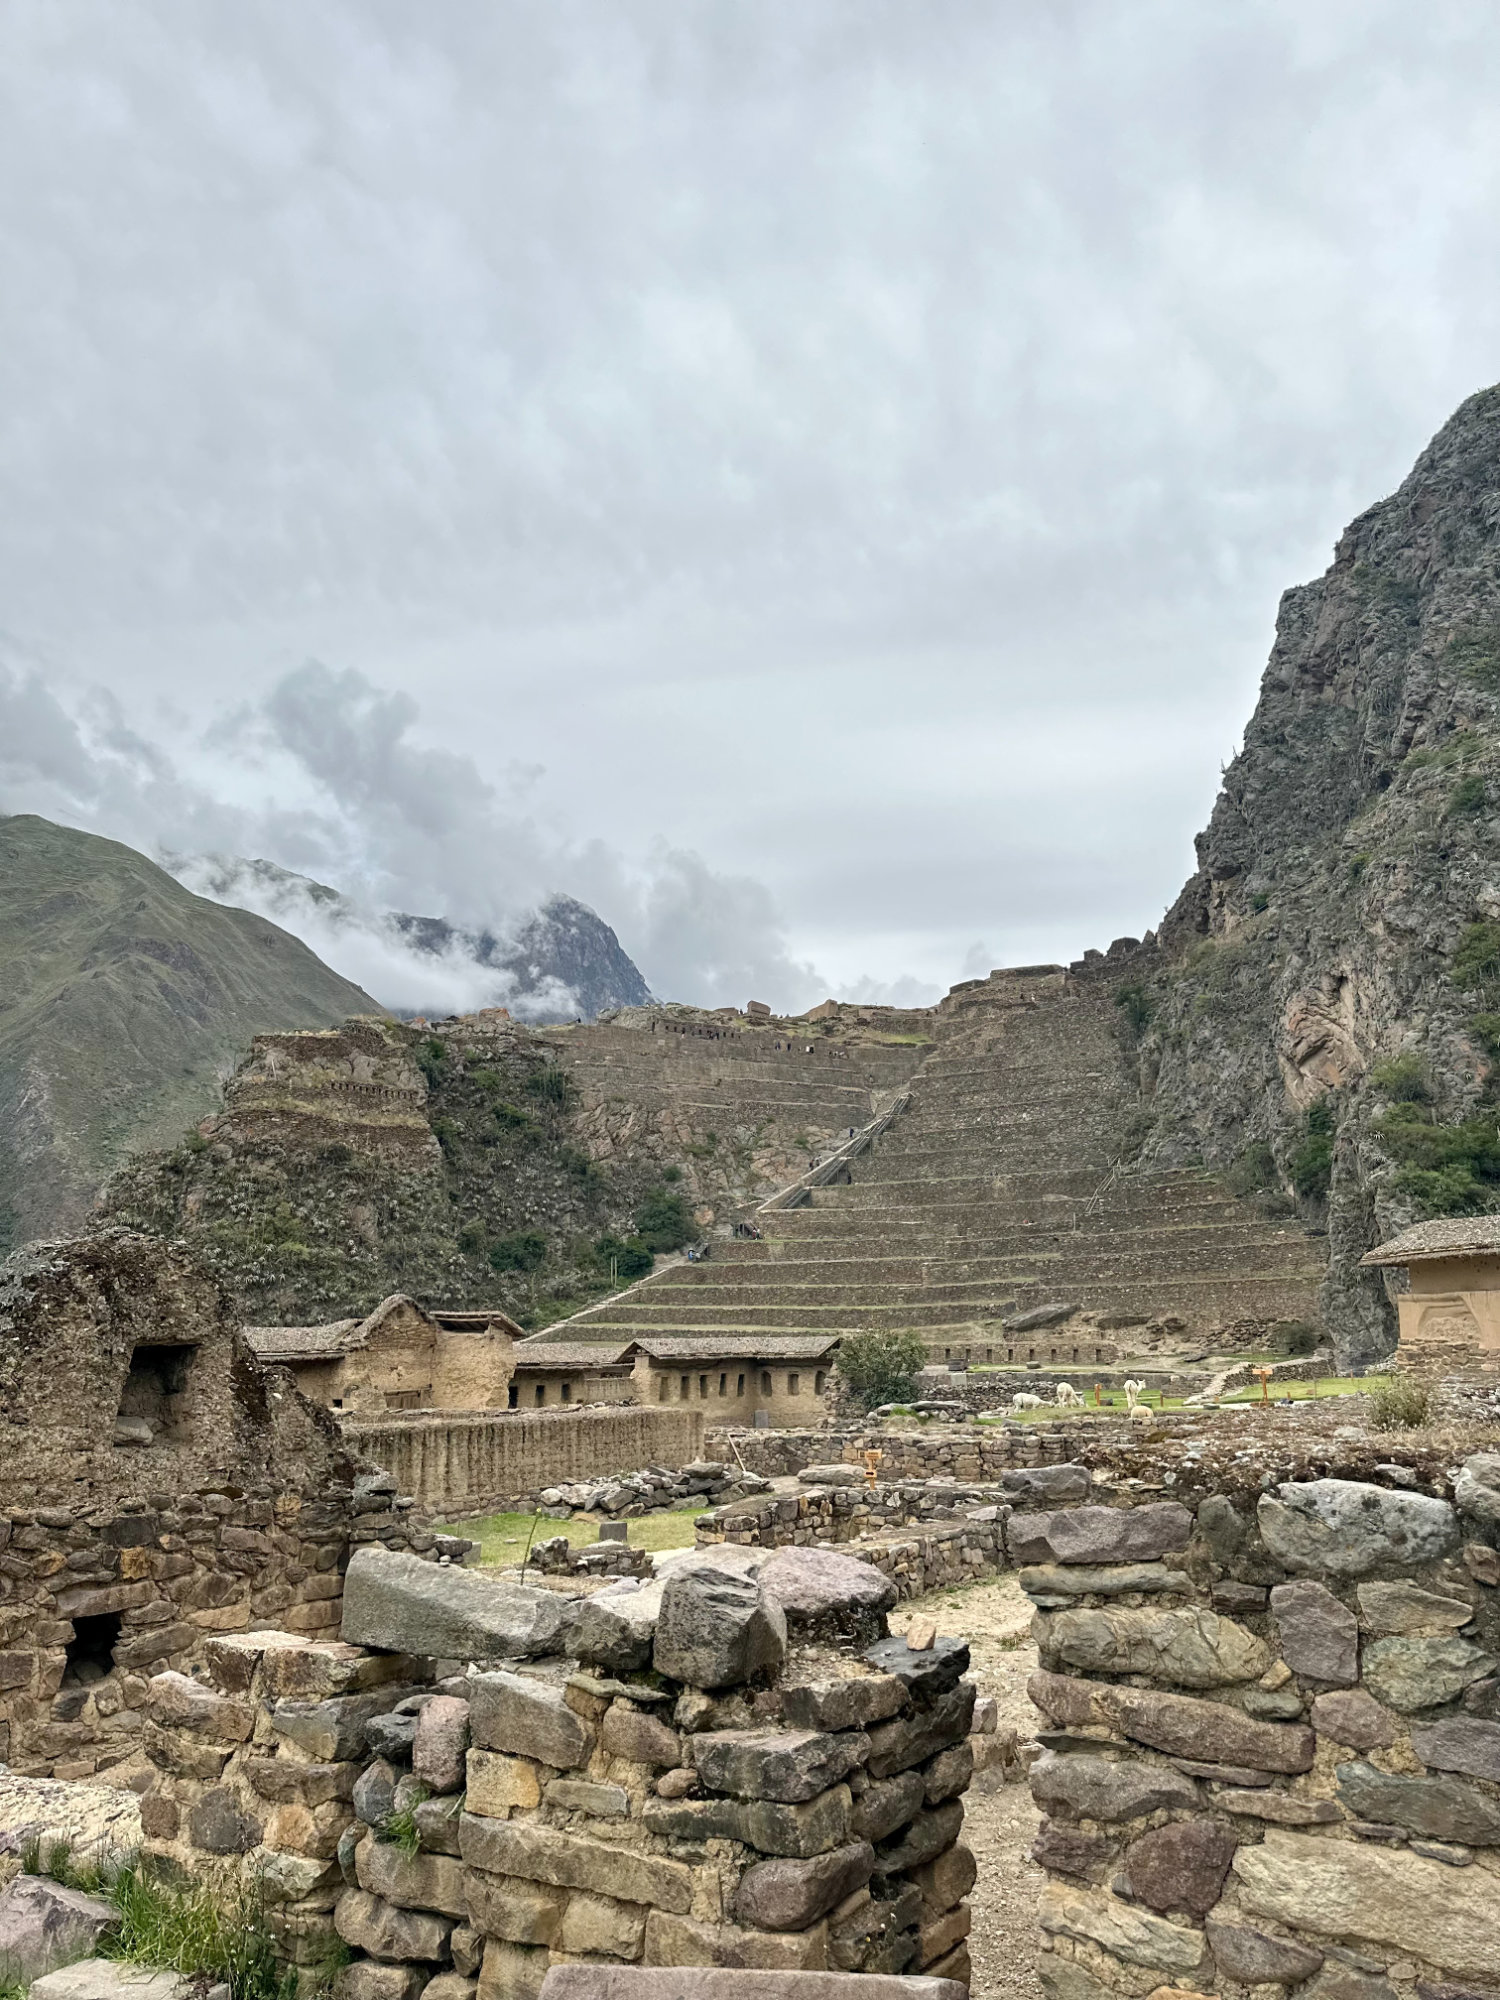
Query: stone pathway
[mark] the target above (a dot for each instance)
(999, 1826)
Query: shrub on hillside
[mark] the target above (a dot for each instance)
(664, 1221)
(1311, 1165)
(623, 1258)
(881, 1367)
(1402, 1404)
(524, 1251)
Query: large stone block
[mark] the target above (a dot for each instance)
(1412, 1674)
(177, 1701)
(686, 1941)
(111, 1979)
(717, 1627)
(843, 1704)
(912, 1739)
(442, 1737)
(1209, 1730)
(887, 1803)
(772, 1828)
(614, 1628)
(1099, 1534)
(621, 1982)
(44, 1925)
(926, 1672)
(821, 1588)
(1438, 1808)
(945, 1881)
(512, 1971)
(568, 1861)
(1319, 1635)
(1046, 1485)
(526, 1718)
(1350, 1889)
(949, 1772)
(1190, 1648)
(404, 1605)
(927, 1835)
(598, 1924)
(1477, 1489)
(1353, 1717)
(1181, 1866)
(1099, 1788)
(1390, 1609)
(369, 1979)
(1066, 1851)
(1344, 1527)
(519, 1912)
(370, 1924)
(413, 1881)
(1135, 1935)
(789, 1895)
(500, 1785)
(583, 1795)
(788, 1765)
(290, 1783)
(1460, 1743)
(1048, 1580)
(331, 1732)
(639, 1738)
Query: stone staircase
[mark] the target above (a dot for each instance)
(995, 1188)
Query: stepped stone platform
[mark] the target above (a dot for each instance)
(999, 1181)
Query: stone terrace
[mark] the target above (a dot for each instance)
(995, 1189)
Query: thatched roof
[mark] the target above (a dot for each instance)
(572, 1357)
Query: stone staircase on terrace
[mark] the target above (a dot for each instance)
(994, 1189)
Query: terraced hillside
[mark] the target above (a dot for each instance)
(1006, 1181)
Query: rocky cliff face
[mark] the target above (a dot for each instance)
(1326, 1012)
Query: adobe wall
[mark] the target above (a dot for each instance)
(726, 1776)
(1274, 1747)
(787, 1395)
(158, 1487)
(473, 1461)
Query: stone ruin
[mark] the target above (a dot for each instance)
(483, 1780)
(160, 1487)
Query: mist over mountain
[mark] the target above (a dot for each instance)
(559, 962)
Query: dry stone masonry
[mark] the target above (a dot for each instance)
(1272, 1757)
(729, 1766)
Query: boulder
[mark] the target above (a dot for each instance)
(1099, 1788)
(787, 1765)
(1319, 1635)
(1181, 1866)
(1046, 1485)
(835, 1593)
(527, 1718)
(717, 1627)
(1346, 1889)
(375, 1793)
(401, 1604)
(613, 1628)
(1191, 1647)
(391, 1737)
(1411, 1674)
(1344, 1527)
(1251, 1958)
(44, 1925)
(830, 1475)
(1403, 1609)
(1099, 1534)
(1440, 1808)
(787, 1895)
(1477, 1489)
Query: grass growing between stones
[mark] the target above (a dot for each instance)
(502, 1538)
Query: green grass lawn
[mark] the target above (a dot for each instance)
(502, 1538)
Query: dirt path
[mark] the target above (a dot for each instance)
(999, 1826)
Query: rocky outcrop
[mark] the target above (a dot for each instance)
(1322, 1018)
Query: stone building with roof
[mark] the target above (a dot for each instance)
(400, 1357)
(558, 1374)
(1450, 1310)
(774, 1380)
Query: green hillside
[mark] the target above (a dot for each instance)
(123, 1001)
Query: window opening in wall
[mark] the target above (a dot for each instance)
(682, 1388)
(512, 1396)
(723, 1385)
(567, 1392)
(794, 1385)
(151, 1400)
(819, 1380)
(765, 1381)
(541, 1394)
(338, 1402)
(740, 1386)
(91, 1650)
(702, 1385)
(947, 1353)
(663, 1389)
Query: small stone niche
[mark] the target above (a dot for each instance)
(151, 1402)
(91, 1650)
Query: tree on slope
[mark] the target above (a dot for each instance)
(881, 1367)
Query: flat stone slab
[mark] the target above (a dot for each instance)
(401, 1604)
(109, 1979)
(695, 1982)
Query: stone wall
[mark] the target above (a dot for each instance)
(457, 1464)
(1273, 1757)
(159, 1487)
(932, 1451)
(726, 1767)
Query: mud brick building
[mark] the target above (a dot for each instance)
(400, 1357)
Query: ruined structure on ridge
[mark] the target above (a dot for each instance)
(1007, 1180)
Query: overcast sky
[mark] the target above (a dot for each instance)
(813, 479)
